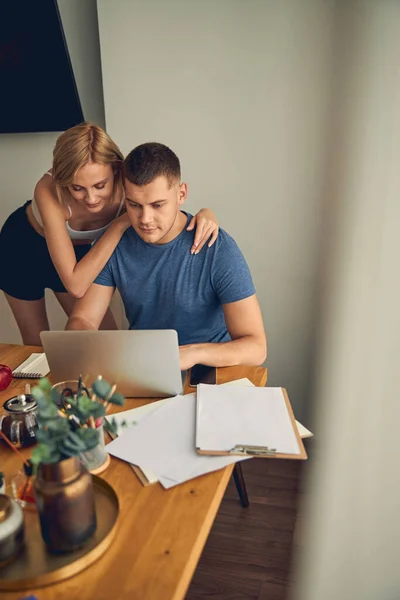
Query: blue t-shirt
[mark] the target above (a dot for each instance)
(163, 286)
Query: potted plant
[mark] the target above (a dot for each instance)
(63, 486)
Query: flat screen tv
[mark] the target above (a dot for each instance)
(37, 84)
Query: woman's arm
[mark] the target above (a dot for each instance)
(76, 276)
(206, 225)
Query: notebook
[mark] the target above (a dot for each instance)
(246, 421)
(34, 367)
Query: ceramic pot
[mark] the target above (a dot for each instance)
(65, 502)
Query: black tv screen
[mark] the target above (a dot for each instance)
(38, 90)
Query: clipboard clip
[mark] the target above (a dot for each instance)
(252, 450)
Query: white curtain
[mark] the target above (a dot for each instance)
(351, 535)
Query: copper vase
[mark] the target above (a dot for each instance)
(65, 501)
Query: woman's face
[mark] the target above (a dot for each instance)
(93, 186)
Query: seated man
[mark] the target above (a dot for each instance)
(208, 298)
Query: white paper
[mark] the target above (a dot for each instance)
(135, 415)
(303, 431)
(164, 443)
(236, 415)
(194, 463)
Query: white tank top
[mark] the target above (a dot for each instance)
(74, 234)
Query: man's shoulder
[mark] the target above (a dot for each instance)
(128, 238)
(225, 243)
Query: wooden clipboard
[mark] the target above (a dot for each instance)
(266, 454)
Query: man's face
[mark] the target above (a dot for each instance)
(153, 209)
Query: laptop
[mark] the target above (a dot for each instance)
(143, 363)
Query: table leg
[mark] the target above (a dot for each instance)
(240, 484)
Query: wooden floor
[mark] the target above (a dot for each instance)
(248, 552)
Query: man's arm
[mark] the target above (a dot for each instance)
(247, 347)
(89, 311)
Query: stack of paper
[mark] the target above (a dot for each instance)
(161, 440)
(122, 421)
(164, 444)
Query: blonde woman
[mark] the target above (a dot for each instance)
(62, 239)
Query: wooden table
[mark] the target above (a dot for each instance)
(161, 532)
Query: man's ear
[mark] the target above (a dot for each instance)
(182, 193)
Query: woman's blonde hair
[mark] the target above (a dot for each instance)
(79, 145)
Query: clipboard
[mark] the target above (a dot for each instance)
(213, 415)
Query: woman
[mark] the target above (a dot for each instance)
(49, 242)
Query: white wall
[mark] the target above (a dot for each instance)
(25, 157)
(240, 90)
(79, 19)
(351, 531)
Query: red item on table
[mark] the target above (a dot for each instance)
(6, 377)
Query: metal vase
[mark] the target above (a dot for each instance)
(65, 501)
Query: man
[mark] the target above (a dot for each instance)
(208, 298)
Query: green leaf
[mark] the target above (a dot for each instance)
(67, 453)
(74, 441)
(37, 454)
(55, 397)
(97, 410)
(58, 426)
(82, 409)
(71, 400)
(45, 384)
(42, 404)
(44, 454)
(48, 412)
(117, 399)
(90, 437)
(112, 426)
(43, 435)
(101, 388)
(39, 395)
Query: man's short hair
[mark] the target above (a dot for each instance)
(149, 161)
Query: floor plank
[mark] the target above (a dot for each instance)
(248, 553)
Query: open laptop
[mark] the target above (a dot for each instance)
(143, 363)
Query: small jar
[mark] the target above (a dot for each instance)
(11, 529)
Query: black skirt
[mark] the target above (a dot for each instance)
(26, 268)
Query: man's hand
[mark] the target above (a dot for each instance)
(189, 356)
(247, 346)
